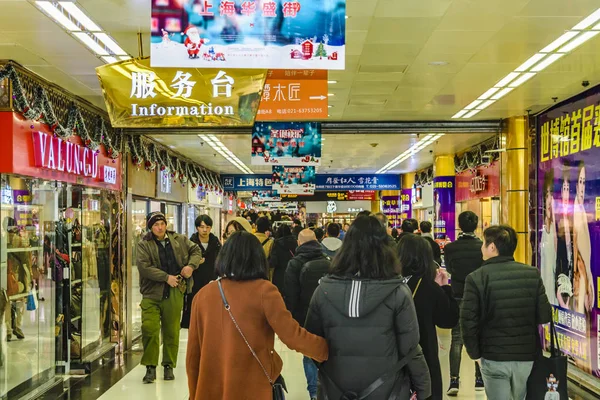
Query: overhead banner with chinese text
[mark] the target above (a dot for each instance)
(568, 219)
(138, 96)
(358, 182)
(294, 95)
(286, 143)
(275, 34)
(294, 180)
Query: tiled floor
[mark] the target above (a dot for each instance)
(131, 387)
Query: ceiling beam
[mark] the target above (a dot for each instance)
(394, 127)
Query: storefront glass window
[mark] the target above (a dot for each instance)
(28, 211)
(173, 215)
(139, 211)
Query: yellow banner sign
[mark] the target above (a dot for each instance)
(139, 96)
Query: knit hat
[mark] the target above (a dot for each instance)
(244, 223)
(154, 217)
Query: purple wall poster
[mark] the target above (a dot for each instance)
(444, 207)
(391, 207)
(406, 203)
(568, 224)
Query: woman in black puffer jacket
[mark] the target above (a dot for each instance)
(367, 315)
(282, 252)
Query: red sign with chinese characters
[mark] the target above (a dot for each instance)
(294, 95)
(29, 148)
(361, 195)
(482, 182)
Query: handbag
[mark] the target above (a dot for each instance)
(549, 374)
(32, 301)
(279, 387)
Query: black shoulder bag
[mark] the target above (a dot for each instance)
(279, 388)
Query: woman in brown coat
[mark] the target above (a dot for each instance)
(219, 363)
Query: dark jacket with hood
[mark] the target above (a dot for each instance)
(203, 275)
(462, 257)
(302, 277)
(153, 275)
(283, 250)
(435, 306)
(370, 326)
(503, 304)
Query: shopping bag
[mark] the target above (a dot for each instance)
(32, 301)
(549, 374)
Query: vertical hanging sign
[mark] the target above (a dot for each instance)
(444, 207)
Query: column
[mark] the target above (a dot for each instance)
(444, 203)
(516, 200)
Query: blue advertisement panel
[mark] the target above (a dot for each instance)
(568, 218)
(293, 180)
(286, 143)
(444, 201)
(269, 34)
(251, 183)
(358, 182)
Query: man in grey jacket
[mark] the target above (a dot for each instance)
(166, 261)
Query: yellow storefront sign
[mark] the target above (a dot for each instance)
(139, 96)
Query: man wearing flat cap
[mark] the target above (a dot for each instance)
(166, 261)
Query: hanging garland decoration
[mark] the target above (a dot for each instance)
(424, 177)
(40, 109)
(152, 155)
(478, 155)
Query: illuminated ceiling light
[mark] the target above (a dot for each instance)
(124, 58)
(57, 15)
(529, 63)
(460, 114)
(411, 151)
(217, 145)
(522, 79)
(473, 105)
(332, 82)
(471, 114)
(111, 44)
(329, 106)
(330, 94)
(109, 59)
(578, 41)
(547, 62)
(80, 16)
(592, 18)
(91, 43)
(564, 38)
(507, 79)
(487, 94)
(485, 104)
(502, 93)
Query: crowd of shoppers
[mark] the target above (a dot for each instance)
(363, 305)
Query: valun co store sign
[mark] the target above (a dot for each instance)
(31, 149)
(568, 219)
(479, 183)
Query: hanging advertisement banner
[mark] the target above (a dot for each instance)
(406, 203)
(252, 183)
(137, 95)
(569, 224)
(293, 180)
(444, 208)
(275, 34)
(297, 95)
(391, 206)
(286, 143)
(358, 182)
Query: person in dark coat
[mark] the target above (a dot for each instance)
(366, 313)
(283, 250)
(462, 257)
(210, 246)
(504, 303)
(433, 299)
(435, 248)
(302, 277)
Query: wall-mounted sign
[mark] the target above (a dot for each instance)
(294, 95)
(273, 34)
(358, 182)
(293, 180)
(110, 174)
(57, 154)
(138, 95)
(286, 143)
(252, 183)
(166, 185)
(444, 207)
(481, 182)
(331, 207)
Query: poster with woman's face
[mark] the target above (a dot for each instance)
(568, 253)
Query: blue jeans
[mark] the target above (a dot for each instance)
(311, 372)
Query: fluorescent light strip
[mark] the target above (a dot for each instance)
(532, 61)
(594, 17)
(91, 43)
(109, 59)
(485, 104)
(414, 149)
(111, 44)
(473, 104)
(547, 62)
(564, 38)
(217, 145)
(522, 79)
(57, 15)
(487, 94)
(578, 41)
(80, 16)
(472, 113)
(507, 79)
(502, 93)
(460, 113)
